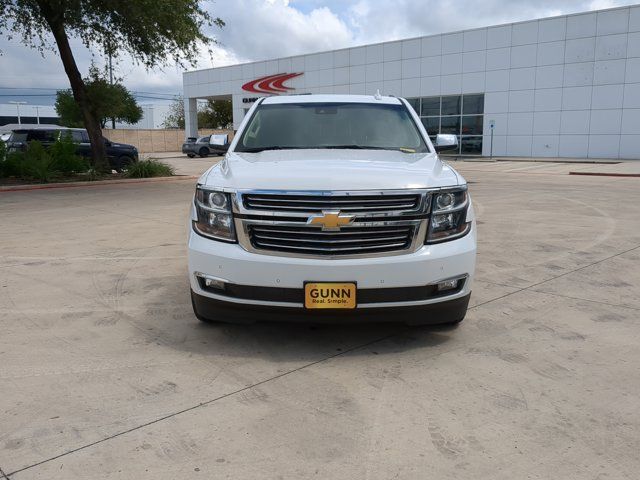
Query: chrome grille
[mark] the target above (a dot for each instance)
(311, 240)
(344, 203)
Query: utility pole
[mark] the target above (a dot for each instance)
(17, 104)
(109, 53)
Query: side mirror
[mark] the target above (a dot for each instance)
(446, 142)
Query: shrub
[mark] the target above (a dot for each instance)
(12, 165)
(63, 153)
(3, 150)
(43, 164)
(38, 163)
(149, 168)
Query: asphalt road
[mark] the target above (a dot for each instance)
(105, 372)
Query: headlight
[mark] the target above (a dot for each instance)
(214, 217)
(449, 216)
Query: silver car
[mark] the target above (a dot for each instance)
(204, 146)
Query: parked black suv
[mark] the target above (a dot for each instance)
(119, 154)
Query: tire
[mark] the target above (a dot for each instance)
(191, 155)
(203, 152)
(123, 162)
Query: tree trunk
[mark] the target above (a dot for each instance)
(91, 123)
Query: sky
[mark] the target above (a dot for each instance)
(264, 29)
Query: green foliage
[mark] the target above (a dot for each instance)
(107, 101)
(149, 168)
(44, 164)
(152, 32)
(175, 118)
(12, 165)
(38, 163)
(68, 110)
(65, 160)
(3, 150)
(215, 114)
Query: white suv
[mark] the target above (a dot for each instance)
(332, 208)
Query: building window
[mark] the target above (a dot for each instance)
(461, 115)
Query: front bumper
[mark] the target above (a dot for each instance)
(445, 312)
(385, 283)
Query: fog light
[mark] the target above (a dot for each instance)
(210, 282)
(213, 283)
(448, 285)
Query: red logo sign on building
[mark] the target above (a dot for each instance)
(271, 83)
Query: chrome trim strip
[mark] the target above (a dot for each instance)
(420, 224)
(263, 236)
(423, 207)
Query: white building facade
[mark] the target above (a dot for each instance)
(566, 86)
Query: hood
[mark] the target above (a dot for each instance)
(330, 170)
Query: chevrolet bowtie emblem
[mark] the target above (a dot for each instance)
(331, 220)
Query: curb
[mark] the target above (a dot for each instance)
(604, 174)
(97, 183)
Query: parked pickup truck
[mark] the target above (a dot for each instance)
(332, 208)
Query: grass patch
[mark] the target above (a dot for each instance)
(149, 168)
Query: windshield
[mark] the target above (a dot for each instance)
(331, 125)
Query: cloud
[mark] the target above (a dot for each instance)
(261, 29)
(264, 29)
(376, 20)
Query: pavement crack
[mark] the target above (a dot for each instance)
(3, 476)
(554, 278)
(202, 404)
(618, 305)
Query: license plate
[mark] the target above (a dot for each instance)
(330, 295)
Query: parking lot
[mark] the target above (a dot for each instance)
(105, 372)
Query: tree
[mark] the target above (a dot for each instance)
(107, 102)
(216, 114)
(175, 118)
(151, 32)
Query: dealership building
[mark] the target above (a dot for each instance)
(565, 86)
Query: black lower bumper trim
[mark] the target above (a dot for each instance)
(445, 312)
(365, 295)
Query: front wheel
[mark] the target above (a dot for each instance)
(123, 162)
(191, 155)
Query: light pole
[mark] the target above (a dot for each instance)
(17, 104)
(110, 54)
(37, 107)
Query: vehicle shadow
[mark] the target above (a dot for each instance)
(290, 341)
(286, 342)
(176, 326)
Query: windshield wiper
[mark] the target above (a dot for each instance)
(261, 149)
(355, 147)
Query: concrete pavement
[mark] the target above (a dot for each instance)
(105, 373)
